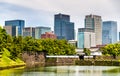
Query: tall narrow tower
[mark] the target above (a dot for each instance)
(95, 22)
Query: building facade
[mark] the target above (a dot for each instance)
(11, 30)
(19, 23)
(86, 38)
(41, 30)
(29, 31)
(119, 36)
(64, 29)
(95, 22)
(49, 35)
(109, 32)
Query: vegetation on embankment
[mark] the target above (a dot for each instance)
(6, 62)
(15, 46)
(18, 45)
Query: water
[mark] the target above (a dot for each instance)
(63, 71)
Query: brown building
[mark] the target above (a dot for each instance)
(48, 35)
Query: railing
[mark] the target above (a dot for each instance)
(62, 56)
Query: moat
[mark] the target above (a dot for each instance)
(63, 71)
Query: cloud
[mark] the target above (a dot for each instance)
(33, 17)
(41, 12)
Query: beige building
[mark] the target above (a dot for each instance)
(28, 31)
(95, 22)
(8, 29)
(11, 30)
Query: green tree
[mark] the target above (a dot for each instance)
(87, 51)
(111, 49)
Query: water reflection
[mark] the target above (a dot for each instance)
(63, 71)
(12, 72)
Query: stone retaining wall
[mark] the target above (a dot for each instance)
(98, 62)
(32, 59)
(61, 61)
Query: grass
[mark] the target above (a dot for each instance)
(5, 61)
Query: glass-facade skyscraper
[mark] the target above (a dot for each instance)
(19, 23)
(109, 32)
(63, 28)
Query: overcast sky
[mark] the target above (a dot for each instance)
(41, 12)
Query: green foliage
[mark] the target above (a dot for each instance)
(87, 51)
(17, 45)
(111, 49)
(57, 47)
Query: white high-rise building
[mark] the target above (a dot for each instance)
(95, 22)
(86, 38)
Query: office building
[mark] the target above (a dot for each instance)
(49, 35)
(11, 30)
(109, 32)
(64, 29)
(19, 23)
(41, 30)
(29, 31)
(95, 22)
(86, 38)
(119, 36)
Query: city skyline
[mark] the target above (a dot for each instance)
(39, 12)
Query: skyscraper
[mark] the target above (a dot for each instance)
(64, 29)
(41, 30)
(109, 32)
(86, 38)
(95, 22)
(119, 36)
(29, 31)
(11, 30)
(19, 23)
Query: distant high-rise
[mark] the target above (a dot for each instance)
(19, 23)
(41, 30)
(64, 29)
(119, 36)
(86, 38)
(109, 32)
(11, 30)
(95, 22)
(29, 31)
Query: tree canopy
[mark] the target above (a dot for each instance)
(19, 44)
(87, 51)
(111, 49)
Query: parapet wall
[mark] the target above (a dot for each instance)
(61, 60)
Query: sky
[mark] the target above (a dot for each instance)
(41, 12)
